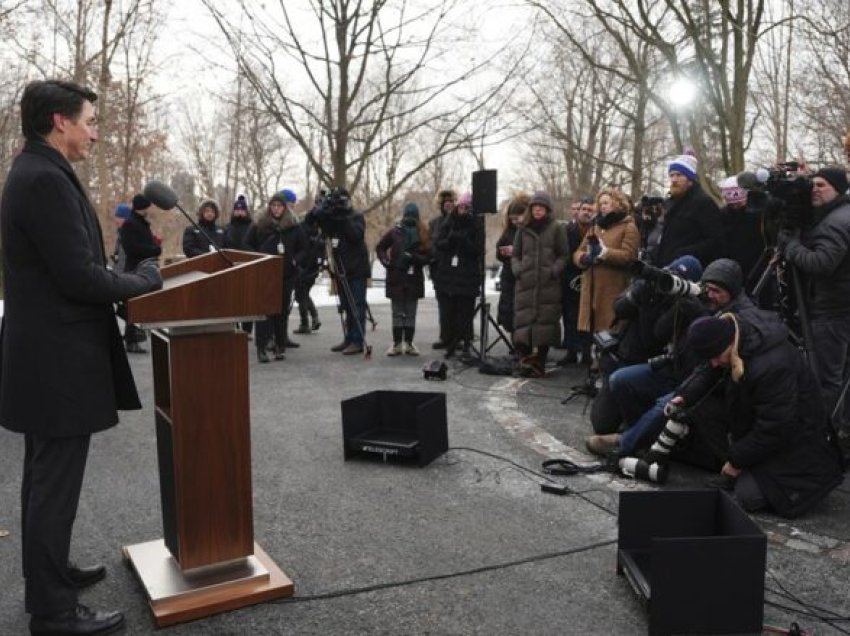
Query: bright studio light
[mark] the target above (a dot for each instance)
(682, 92)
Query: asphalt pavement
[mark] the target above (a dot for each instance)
(466, 545)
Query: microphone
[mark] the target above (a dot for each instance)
(753, 180)
(165, 198)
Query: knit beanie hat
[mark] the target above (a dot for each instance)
(289, 195)
(732, 193)
(541, 198)
(241, 203)
(140, 202)
(123, 210)
(688, 267)
(725, 273)
(411, 210)
(684, 164)
(709, 336)
(279, 197)
(836, 176)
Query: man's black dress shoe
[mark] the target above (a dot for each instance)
(83, 577)
(80, 620)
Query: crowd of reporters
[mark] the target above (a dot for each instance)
(643, 298)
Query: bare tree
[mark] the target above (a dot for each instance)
(365, 53)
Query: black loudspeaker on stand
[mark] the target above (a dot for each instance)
(485, 201)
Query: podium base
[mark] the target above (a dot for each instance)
(176, 596)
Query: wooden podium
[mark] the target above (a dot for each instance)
(208, 561)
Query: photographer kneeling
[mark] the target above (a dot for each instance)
(345, 227)
(780, 456)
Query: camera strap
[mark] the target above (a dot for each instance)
(569, 467)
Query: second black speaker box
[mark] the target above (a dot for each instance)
(484, 198)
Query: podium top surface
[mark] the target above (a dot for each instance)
(207, 289)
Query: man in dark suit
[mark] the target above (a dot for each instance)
(63, 369)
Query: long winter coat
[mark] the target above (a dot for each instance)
(63, 369)
(507, 280)
(540, 254)
(404, 272)
(779, 424)
(459, 246)
(607, 278)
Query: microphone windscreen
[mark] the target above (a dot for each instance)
(160, 195)
(748, 180)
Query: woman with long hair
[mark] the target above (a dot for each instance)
(278, 232)
(606, 255)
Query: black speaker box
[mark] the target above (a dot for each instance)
(484, 196)
(395, 424)
(695, 559)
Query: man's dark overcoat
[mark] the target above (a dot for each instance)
(63, 369)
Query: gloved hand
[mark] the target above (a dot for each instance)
(149, 270)
(603, 250)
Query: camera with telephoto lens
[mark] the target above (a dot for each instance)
(666, 282)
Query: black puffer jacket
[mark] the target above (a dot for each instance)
(459, 245)
(236, 231)
(195, 243)
(778, 424)
(823, 255)
(691, 225)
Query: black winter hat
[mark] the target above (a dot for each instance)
(725, 273)
(140, 202)
(709, 336)
(836, 176)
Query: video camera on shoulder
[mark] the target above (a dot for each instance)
(782, 193)
(331, 207)
(666, 282)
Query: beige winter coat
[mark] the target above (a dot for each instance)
(609, 276)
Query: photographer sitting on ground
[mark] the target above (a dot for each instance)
(640, 391)
(822, 254)
(644, 316)
(346, 228)
(780, 456)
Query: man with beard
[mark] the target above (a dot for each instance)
(692, 223)
(822, 254)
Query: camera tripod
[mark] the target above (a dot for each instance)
(337, 273)
(778, 268)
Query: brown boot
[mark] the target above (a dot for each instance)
(603, 444)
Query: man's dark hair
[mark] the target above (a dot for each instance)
(43, 98)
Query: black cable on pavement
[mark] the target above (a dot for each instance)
(439, 577)
(578, 493)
